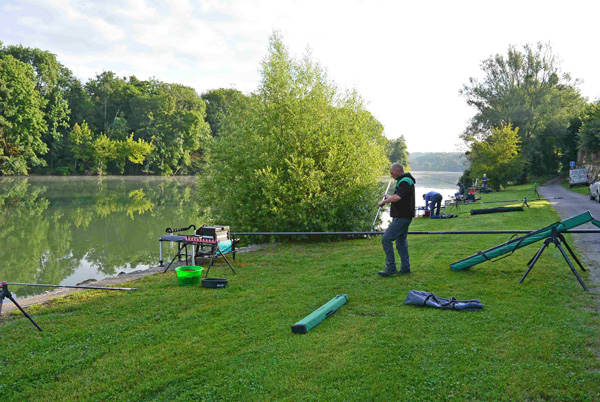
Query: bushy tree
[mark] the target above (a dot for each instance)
(497, 156)
(299, 154)
(80, 141)
(131, 151)
(21, 118)
(396, 151)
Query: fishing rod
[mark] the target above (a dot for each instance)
(5, 293)
(456, 232)
(379, 210)
(68, 286)
(523, 200)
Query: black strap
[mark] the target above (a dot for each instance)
(484, 256)
(451, 302)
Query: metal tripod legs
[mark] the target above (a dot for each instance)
(557, 240)
(6, 293)
(212, 261)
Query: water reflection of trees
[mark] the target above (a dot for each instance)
(48, 228)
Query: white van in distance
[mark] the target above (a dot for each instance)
(578, 177)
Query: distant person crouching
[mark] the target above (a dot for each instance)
(433, 200)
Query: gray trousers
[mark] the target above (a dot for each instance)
(397, 231)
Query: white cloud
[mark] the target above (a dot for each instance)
(139, 11)
(109, 32)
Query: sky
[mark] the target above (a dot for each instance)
(407, 59)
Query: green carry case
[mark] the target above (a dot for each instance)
(512, 245)
(326, 310)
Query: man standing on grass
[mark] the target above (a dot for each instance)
(484, 183)
(402, 211)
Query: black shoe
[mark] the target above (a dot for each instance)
(407, 271)
(388, 272)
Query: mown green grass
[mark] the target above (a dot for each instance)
(585, 190)
(534, 341)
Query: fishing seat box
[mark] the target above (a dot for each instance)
(213, 241)
(221, 235)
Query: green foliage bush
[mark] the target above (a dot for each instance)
(590, 129)
(297, 155)
(497, 156)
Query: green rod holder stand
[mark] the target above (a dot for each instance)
(314, 318)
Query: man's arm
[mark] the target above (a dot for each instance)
(391, 198)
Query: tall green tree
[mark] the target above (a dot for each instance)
(52, 80)
(175, 123)
(396, 151)
(527, 90)
(217, 101)
(111, 99)
(21, 118)
(81, 139)
(299, 154)
(590, 128)
(497, 156)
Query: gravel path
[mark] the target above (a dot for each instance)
(588, 245)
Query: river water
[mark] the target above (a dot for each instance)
(441, 182)
(66, 230)
(63, 231)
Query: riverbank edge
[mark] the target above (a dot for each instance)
(122, 277)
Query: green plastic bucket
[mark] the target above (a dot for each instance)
(189, 275)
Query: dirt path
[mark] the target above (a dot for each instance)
(570, 205)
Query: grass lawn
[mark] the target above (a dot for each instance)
(585, 190)
(534, 341)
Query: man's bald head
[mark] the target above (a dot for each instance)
(396, 170)
(398, 167)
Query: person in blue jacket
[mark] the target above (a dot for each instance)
(433, 201)
(484, 183)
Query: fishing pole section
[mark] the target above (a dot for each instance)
(5, 293)
(379, 210)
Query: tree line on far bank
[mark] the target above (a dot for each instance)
(51, 123)
(437, 161)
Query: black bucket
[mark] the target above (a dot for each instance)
(214, 283)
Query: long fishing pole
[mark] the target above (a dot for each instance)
(521, 200)
(456, 232)
(69, 286)
(524, 200)
(379, 210)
